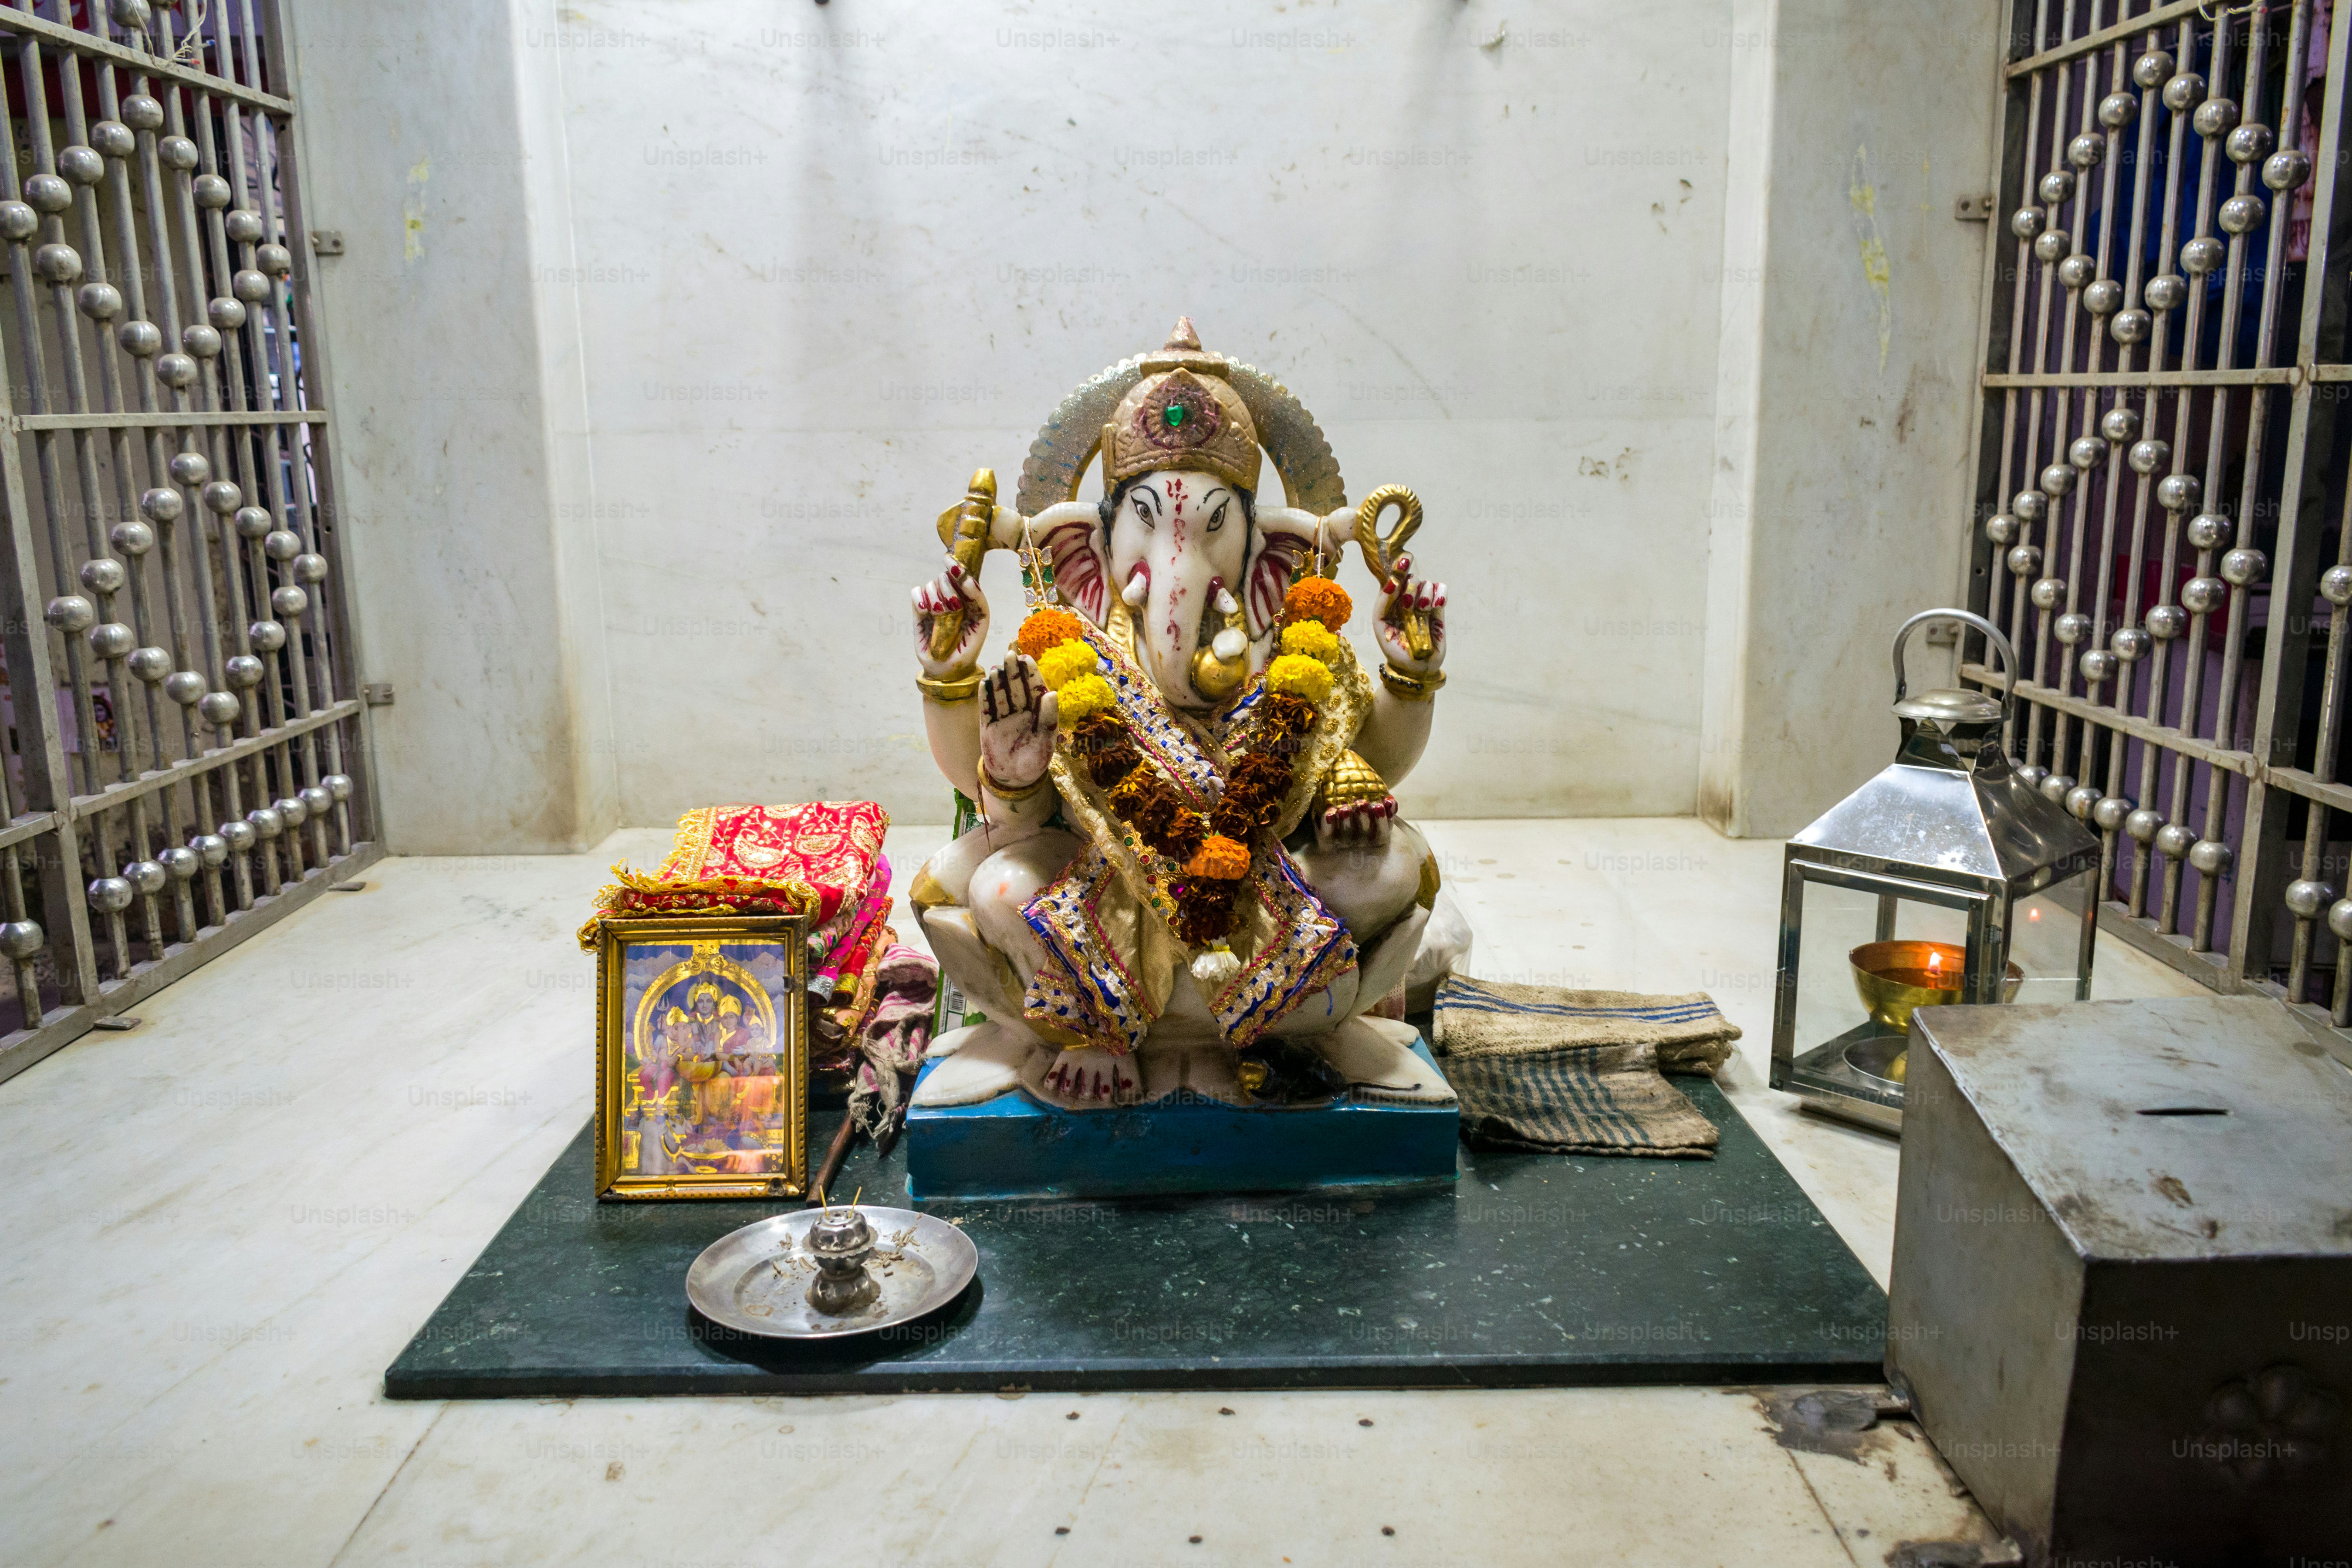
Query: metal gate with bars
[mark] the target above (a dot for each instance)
(2161, 469)
(182, 766)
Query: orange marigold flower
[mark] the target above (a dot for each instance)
(1219, 859)
(1048, 629)
(1317, 599)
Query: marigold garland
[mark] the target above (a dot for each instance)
(1295, 675)
(1312, 639)
(1065, 662)
(1212, 851)
(1085, 697)
(1048, 629)
(1317, 599)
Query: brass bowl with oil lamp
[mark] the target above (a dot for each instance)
(1893, 978)
(1952, 830)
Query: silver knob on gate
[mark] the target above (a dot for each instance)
(2142, 824)
(2032, 774)
(2202, 255)
(161, 505)
(2120, 425)
(291, 812)
(268, 637)
(2080, 800)
(113, 138)
(2055, 187)
(2178, 492)
(2307, 897)
(244, 225)
(210, 847)
(210, 191)
(238, 835)
(2053, 786)
(265, 821)
(18, 222)
(2245, 566)
(109, 895)
(47, 193)
(132, 537)
(190, 468)
(2048, 594)
(2340, 920)
(2202, 595)
(2336, 585)
(316, 801)
(338, 785)
(242, 670)
(2165, 622)
(146, 876)
(2086, 151)
(2096, 665)
(280, 544)
(148, 664)
(2242, 215)
(2173, 840)
(2209, 531)
(309, 567)
(2024, 559)
(179, 863)
(2130, 644)
(2001, 529)
(2109, 814)
(2211, 858)
(252, 522)
(2054, 245)
(2029, 506)
(70, 613)
(2184, 92)
(2077, 270)
(2152, 70)
(2087, 452)
(2165, 292)
(2148, 457)
(22, 939)
(2071, 627)
(2116, 109)
(222, 497)
(176, 371)
(185, 686)
(140, 112)
(2214, 117)
(219, 708)
(104, 575)
(112, 639)
(225, 314)
(100, 301)
(2286, 171)
(176, 151)
(290, 601)
(2024, 222)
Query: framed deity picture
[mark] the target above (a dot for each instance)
(702, 1067)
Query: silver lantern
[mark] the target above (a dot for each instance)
(1948, 878)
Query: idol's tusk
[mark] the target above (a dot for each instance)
(1226, 605)
(1138, 584)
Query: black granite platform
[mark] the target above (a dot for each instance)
(1531, 1270)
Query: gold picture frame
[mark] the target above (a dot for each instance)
(702, 1063)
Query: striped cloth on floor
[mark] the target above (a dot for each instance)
(1578, 1072)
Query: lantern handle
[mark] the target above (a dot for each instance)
(1992, 635)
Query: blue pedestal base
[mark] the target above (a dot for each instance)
(1014, 1147)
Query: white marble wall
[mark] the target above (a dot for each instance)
(453, 376)
(1846, 395)
(745, 291)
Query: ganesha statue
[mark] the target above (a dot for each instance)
(1189, 872)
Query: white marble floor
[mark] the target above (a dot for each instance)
(223, 1223)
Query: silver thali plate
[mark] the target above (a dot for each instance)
(756, 1279)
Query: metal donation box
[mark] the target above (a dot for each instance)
(1944, 878)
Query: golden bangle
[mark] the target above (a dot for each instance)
(955, 689)
(1011, 795)
(1411, 688)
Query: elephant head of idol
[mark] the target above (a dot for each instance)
(1177, 546)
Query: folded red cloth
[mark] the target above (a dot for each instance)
(806, 859)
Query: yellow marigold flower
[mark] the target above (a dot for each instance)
(1300, 676)
(1065, 662)
(1045, 628)
(1319, 599)
(1090, 694)
(1312, 639)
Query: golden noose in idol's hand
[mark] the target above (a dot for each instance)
(1381, 553)
(964, 530)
